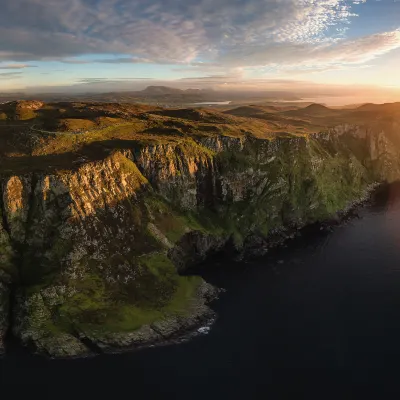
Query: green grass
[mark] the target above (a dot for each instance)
(24, 114)
(170, 222)
(174, 222)
(75, 125)
(95, 307)
(234, 161)
(184, 287)
(72, 142)
(128, 167)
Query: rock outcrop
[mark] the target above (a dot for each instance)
(93, 251)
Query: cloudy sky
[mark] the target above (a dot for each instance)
(55, 44)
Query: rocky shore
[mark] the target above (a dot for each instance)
(162, 332)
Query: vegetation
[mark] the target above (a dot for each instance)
(163, 294)
(121, 187)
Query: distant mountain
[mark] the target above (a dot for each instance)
(160, 90)
(162, 95)
(313, 110)
(388, 107)
(244, 111)
(199, 91)
(368, 107)
(166, 90)
(316, 109)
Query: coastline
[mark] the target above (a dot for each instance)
(257, 246)
(175, 330)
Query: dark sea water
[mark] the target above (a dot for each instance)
(319, 318)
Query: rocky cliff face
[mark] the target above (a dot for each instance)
(92, 252)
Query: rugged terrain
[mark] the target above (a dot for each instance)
(105, 206)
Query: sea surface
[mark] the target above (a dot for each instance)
(318, 318)
(213, 103)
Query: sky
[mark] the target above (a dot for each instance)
(99, 45)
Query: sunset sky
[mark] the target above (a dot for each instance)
(57, 45)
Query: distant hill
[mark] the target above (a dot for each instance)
(195, 114)
(160, 90)
(313, 110)
(248, 111)
(316, 108)
(347, 106)
(368, 107)
(388, 107)
(256, 111)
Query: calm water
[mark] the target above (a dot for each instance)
(213, 103)
(319, 318)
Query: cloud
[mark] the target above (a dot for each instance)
(16, 66)
(119, 60)
(313, 55)
(208, 36)
(161, 30)
(93, 81)
(10, 75)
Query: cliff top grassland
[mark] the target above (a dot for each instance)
(103, 205)
(71, 130)
(68, 133)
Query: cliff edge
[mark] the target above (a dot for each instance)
(99, 225)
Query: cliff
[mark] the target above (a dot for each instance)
(92, 253)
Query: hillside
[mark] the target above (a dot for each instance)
(105, 207)
(387, 107)
(252, 110)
